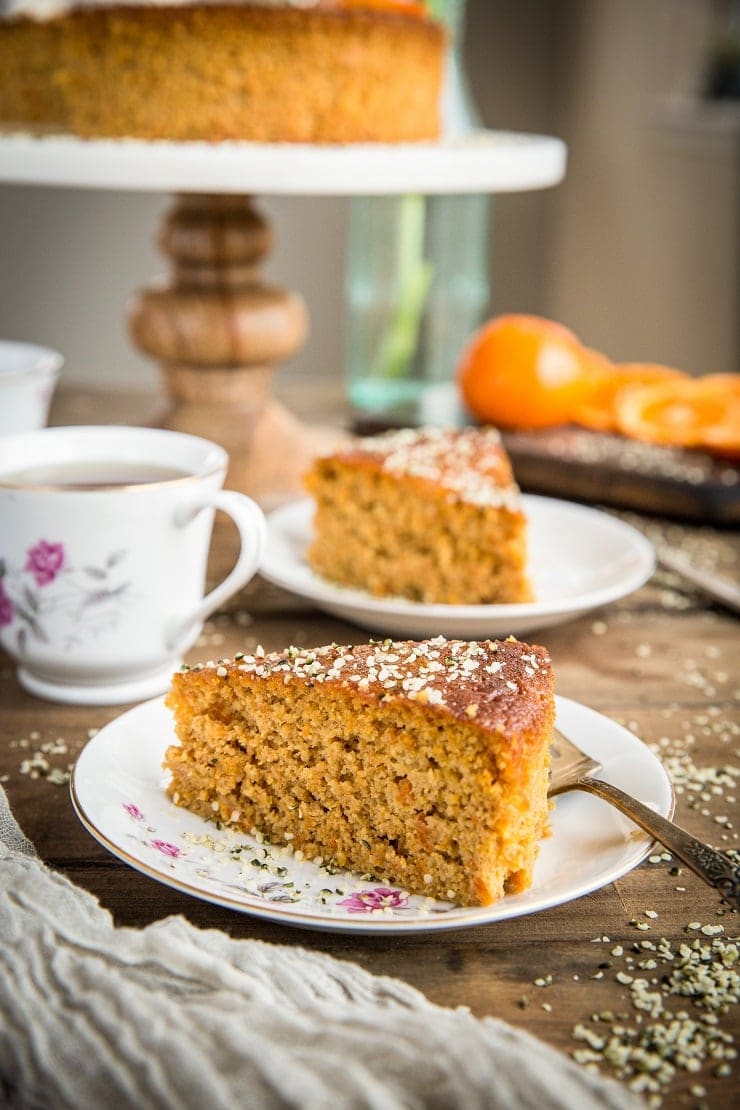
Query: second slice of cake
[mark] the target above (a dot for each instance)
(433, 515)
(423, 764)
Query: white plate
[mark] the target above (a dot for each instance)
(579, 558)
(118, 793)
(482, 161)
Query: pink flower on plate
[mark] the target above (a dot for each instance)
(6, 607)
(166, 848)
(44, 561)
(380, 898)
(133, 811)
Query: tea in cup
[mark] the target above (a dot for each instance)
(104, 539)
(28, 375)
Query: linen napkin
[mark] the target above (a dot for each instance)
(172, 1016)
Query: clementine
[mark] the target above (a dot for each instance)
(695, 412)
(521, 371)
(598, 410)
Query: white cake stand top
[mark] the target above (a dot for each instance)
(481, 162)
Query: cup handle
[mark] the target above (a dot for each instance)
(250, 522)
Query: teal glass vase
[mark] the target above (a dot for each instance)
(416, 282)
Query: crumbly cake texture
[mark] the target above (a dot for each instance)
(423, 764)
(431, 514)
(215, 72)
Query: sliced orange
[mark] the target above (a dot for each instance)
(521, 371)
(726, 382)
(598, 410)
(404, 7)
(693, 412)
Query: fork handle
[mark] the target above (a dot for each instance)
(714, 867)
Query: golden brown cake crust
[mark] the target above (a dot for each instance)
(220, 72)
(497, 683)
(423, 764)
(469, 464)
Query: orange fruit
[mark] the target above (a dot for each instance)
(598, 410)
(522, 371)
(729, 383)
(690, 412)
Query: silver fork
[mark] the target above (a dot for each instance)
(572, 769)
(720, 589)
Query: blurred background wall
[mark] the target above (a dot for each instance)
(637, 250)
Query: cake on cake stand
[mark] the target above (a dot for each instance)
(215, 327)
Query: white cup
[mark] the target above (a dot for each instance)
(28, 375)
(101, 586)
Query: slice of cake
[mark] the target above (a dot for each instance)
(422, 764)
(313, 71)
(429, 514)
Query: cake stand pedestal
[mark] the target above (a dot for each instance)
(215, 327)
(217, 331)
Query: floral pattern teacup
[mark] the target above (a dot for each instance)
(101, 583)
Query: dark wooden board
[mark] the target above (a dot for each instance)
(594, 467)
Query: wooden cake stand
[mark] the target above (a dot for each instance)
(214, 326)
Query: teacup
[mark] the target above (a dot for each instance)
(28, 375)
(104, 539)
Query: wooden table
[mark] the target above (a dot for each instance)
(663, 662)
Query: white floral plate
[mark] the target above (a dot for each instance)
(118, 793)
(579, 559)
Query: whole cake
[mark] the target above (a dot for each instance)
(431, 514)
(318, 71)
(424, 764)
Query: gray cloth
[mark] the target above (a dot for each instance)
(171, 1016)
